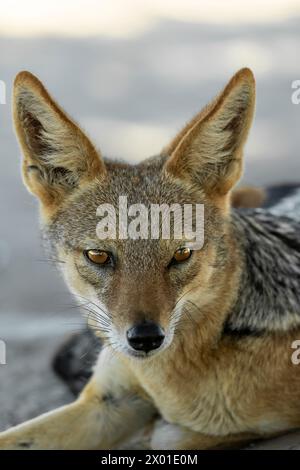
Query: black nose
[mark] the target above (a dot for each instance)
(145, 336)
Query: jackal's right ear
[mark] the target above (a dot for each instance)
(57, 154)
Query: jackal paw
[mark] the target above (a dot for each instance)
(166, 436)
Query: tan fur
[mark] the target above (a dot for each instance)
(77, 154)
(248, 196)
(202, 139)
(209, 390)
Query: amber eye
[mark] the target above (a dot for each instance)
(182, 254)
(98, 256)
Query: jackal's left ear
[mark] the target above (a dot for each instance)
(208, 151)
(57, 154)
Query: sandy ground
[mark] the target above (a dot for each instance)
(131, 97)
(28, 385)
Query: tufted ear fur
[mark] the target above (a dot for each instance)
(208, 151)
(57, 154)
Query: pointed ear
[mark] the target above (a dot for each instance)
(208, 152)
(57, 154)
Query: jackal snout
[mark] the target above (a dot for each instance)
(141, 314)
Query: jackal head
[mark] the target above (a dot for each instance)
(139, 290)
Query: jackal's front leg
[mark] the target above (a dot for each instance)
(173, 437)
(107, 412)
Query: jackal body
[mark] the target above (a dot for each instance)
(226, 314)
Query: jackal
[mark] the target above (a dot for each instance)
(197, 342)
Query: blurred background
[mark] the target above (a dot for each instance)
(132, 72)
